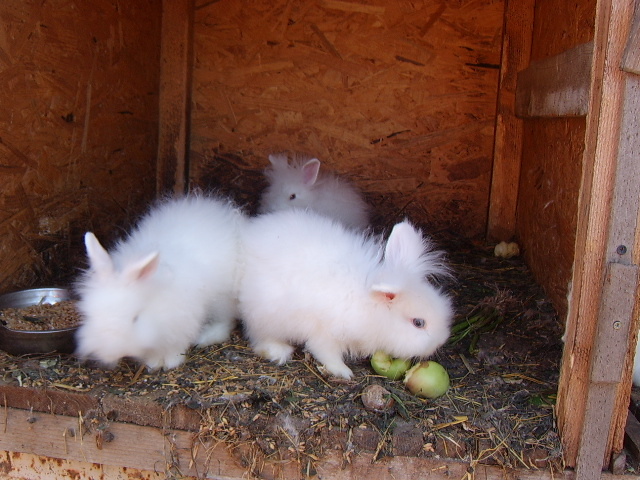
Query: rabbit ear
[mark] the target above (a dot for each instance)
(142, 268)
(405, 245)
(408, 251)
(99, 258)
(279, 161)
(384, 292)
(310, 171)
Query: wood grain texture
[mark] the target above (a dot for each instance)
(388, 94)
(507, 150)
(552, 160)
(579, 397)
(88, 449)
(78, 129)
(175, 95)
(622, 248)
(609, 350)
(557, 86)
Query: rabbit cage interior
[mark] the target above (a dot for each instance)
(108, 105)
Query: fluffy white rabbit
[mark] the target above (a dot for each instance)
(169, 285)
(300, 184)
(309, 280)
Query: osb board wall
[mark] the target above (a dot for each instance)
(400, 97)
(552, 159)
(78, 128)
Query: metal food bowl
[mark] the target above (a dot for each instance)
(21, 342)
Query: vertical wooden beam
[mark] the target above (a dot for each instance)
(603, 406)
(516, 51)
(595, 345)
(175, 95)
(622, 244)
(631, 58)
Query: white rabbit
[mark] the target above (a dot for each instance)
(309, 280)
(169, 285)
(302, 185)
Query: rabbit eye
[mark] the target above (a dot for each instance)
(418, 322)
(292, 196)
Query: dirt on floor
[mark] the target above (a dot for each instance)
(503, 362)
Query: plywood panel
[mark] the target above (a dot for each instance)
(549, 187)
(551, 169)
(78, 88)
(399, 96)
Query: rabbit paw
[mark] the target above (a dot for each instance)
(167, 361)
(339, 370)
(329, 355)
(215, 332)
(278, 352)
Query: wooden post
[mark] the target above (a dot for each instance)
(175, 95)
(516, 50)
(624, 232)
(593, 378)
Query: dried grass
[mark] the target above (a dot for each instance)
(499, 409)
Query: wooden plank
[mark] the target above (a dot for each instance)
(609, 354)
(27, 466)
(113, 443)
(624, 231)
(557, 86)
(175, 95)
(631, 56)
(507, 149)
(578, 397)
(616, 322)
(184, 454)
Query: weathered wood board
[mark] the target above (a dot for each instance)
(89, 449)
(507, 150)
(557, 86)
(602, 294)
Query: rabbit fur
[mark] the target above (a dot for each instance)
(300, 184)
(170, 284)
(309, 280)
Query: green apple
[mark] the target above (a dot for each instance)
(392, 368)
(427, 379)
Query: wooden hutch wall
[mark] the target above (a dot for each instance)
(78, 128)
(552, 152)
(398, 96)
